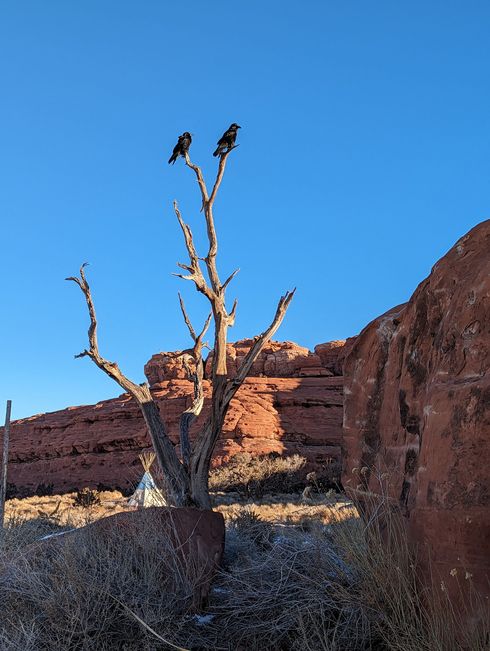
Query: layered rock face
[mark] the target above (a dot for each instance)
(292, 403)
(417, 411)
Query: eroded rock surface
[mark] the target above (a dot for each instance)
(417, 401)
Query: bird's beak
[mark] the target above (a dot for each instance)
(239, 127)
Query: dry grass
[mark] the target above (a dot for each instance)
(61, 508)
(89, 593)
(299, 575)
(80, 592)
(290, 509)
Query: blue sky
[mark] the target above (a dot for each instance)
(363, 157)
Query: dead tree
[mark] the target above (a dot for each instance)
(187, 479)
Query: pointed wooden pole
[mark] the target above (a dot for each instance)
(3, 476)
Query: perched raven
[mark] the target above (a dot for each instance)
(227, 140)
(181, 147)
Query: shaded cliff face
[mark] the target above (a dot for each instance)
(417, 407)
(292, 403)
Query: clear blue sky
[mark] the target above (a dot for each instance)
(363, 157)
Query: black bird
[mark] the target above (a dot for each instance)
(227, 140)
(181, 147)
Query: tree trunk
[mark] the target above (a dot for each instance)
(176, 479)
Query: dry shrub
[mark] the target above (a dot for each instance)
(20, 532)
(86, 498)
(286, 589)
(254, 477)
(78, 591)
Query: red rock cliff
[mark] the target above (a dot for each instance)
(291, 403)
(417, 400)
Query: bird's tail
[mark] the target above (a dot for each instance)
(172, 159)
(218, 151)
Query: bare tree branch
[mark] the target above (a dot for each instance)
(207, 206)
(194, 268)
(221, 171)
(264, 338)
(200, 180)
(197, 339)
(188, 323)
(232, 314)
(229, 279)
(110, 368)
(175, 477)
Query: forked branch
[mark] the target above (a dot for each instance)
(211, 431)
(215, 290)
(193, 268)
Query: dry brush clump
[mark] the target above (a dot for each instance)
(87, 591)
(415, 613)
(86, 498)
(269, 474)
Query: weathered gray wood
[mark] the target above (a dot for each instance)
(5, 456)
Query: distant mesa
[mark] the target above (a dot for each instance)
(291, 403)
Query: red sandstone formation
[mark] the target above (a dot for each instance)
(292, 403)
(417, 400)
(333, 353)
(278, 359)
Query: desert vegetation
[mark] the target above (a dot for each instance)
(281, 587)
(299, 573)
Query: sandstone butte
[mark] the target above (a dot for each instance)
(417, 412)
(292, 403)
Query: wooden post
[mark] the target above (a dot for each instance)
(3, 482)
